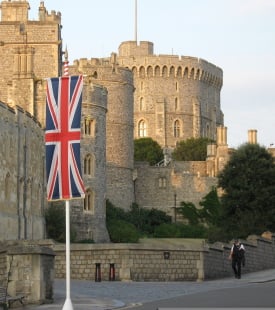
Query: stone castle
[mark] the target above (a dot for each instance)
(131, 94)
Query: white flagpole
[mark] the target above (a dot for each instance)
(136, 21)
(68, 303)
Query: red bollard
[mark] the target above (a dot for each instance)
(97, 272)
(112, 272)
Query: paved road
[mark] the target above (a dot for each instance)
(258, 288)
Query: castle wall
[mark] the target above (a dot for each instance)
(163, 259)
(22, 175)
(164, 187)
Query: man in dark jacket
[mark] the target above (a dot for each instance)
(237, 258)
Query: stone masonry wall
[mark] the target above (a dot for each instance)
(137, 262)
(27, 269)
(165, 187)
(260, 255)
(163, 259)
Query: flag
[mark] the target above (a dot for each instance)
(62, 138)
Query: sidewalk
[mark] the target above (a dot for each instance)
(87, 295)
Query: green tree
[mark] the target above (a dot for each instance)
(146, 149)
(56, 223)
(211, 208)
(248, 201)
(192, 149)
(189, 212)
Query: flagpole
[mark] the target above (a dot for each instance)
(59, 99)
(68, 303)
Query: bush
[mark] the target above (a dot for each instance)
(122, 231)
(167, 231)
(55, 218)
(179, 230)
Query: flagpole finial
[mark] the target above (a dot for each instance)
(66, 54)
(66, 63)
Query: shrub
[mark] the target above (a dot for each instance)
(56, 223)
(122, 231)
(167, 231)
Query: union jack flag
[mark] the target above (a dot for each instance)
(62, 138)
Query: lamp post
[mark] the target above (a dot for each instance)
(175, 207)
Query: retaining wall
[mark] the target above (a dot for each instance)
(162, 259)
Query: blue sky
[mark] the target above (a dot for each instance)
(236, 35)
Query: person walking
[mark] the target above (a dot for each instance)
(237, 258)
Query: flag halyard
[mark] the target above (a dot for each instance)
(62, 138)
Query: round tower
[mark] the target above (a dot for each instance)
(176, 97)
(119, 125)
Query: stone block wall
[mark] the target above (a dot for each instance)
(30, 271)
(162, 259)
(137, 262)
(163, 187)
(259, 256)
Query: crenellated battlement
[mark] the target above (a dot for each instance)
(140, 58)
(44, 16)
(101, 69)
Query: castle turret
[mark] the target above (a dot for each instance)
(119, 124)
(175, 97)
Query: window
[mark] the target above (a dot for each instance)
(162, 182)
(7, 186)
(142, 129)
(89, 127)
(89, 163)
(177, 129)
(89, 201)
(176, 104)
(141, 104)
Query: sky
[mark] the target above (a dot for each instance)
(236, 35)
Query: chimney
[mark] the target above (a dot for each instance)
(252, 136)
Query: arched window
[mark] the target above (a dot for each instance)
(207, 131)
(162, 182)
(7, 187)
(142, 129)
(172, 71)
(141, 104)
(176, 104)
(89, 127)
(177, 129)
(157, 71)
(165, 71)
(150, 71)
(142, 72)
(89, 163)
(179, 72)
(89, 201)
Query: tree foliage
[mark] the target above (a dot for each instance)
(208, 214)
(146, 149)
(56, 223)
(211, 208)
(192, 149)
(189, 212)
(142, 222)
(248, 201)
